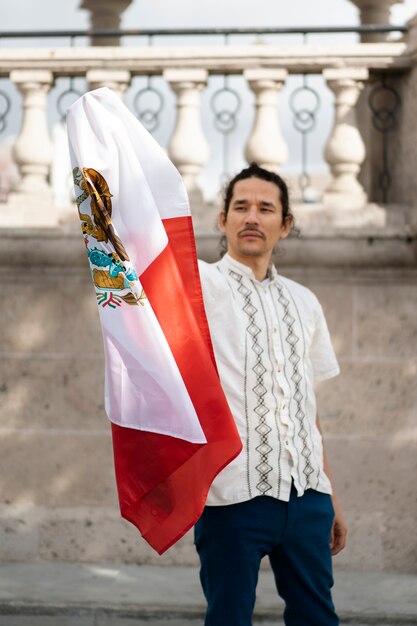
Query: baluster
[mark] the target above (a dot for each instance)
(188, 147)
(374, 12)
(345, 150)
(117, 80)
(411, 37)
(33, 149)
(266, 145)
(105, 15)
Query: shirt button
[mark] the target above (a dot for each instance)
(279, 369)
(287, 443)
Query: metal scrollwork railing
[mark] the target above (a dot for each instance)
(225, 104)
(148, 104)
(66, 98)
(4, 110)
(384, 102)
(304, 121)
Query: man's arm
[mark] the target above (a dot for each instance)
(339, 528)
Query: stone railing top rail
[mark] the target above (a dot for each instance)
(308, 58)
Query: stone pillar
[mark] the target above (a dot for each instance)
(117, 80)
(375, 12)
(345, 150)
(412, 36)
(33, 149)
(266, 145)
(105, 15)
(188, 147)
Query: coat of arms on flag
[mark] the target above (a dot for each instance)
(172, 428)
(110, 273)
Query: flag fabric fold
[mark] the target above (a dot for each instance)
(172, 428)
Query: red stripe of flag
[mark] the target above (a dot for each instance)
(163, 481)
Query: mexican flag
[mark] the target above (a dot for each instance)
(172, 429)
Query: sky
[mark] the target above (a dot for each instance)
(59, 14)
(168, 14)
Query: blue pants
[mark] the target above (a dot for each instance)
(231, 541)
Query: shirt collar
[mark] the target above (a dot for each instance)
(231, 263)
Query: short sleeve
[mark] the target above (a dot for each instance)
(322, 355)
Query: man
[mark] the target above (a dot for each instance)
(271, 344)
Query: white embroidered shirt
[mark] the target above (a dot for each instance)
(271, 344)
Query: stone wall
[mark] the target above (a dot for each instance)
(370, 411)
(58, 498)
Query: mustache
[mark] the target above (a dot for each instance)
(251, 229)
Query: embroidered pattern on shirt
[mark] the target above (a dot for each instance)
(310, 477)
(292, 340)
(276, 412)
(261, 410)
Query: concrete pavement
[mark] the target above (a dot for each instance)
(73, 594)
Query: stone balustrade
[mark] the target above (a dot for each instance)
(186, 70)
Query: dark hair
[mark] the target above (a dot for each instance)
(254, 171)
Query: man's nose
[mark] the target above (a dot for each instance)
(252, 214)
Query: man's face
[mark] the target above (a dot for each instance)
(254, 224)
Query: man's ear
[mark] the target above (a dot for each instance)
(286, 227)
(222, 221)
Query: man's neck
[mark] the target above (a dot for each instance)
(259, 265)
